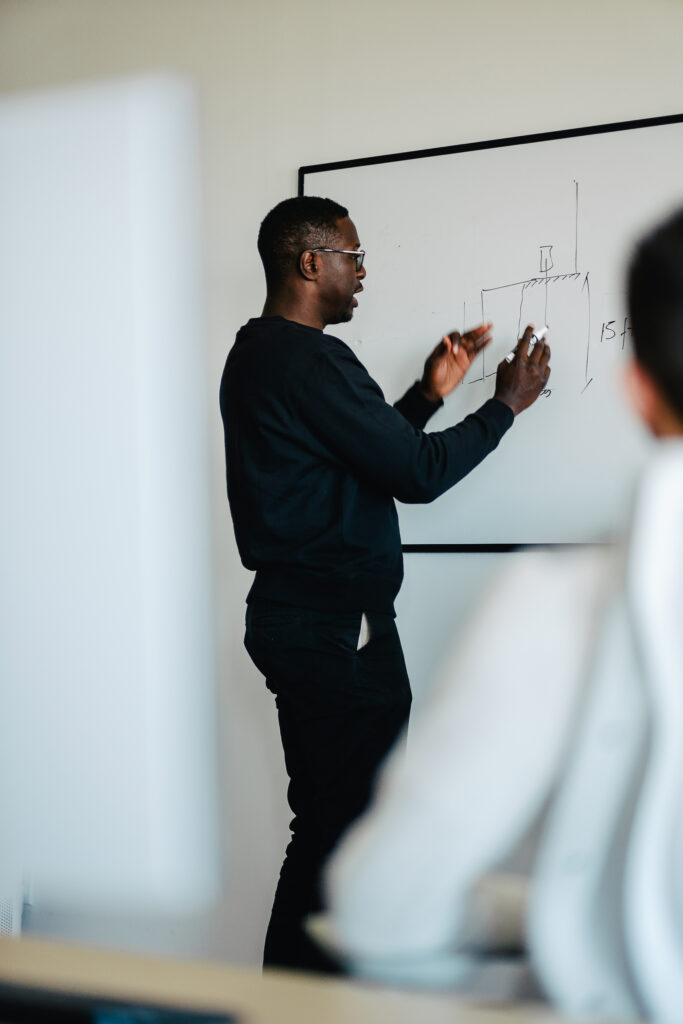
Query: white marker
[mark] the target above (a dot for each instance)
(536, 336)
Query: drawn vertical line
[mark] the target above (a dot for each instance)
(587, 286)
(576, 227)
(519, 320)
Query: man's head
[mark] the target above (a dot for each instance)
(655, 298)
(299, 243)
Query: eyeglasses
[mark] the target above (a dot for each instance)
(358, 253)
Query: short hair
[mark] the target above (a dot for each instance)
(655, 299)
(303, 222)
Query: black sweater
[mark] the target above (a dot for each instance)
(315, 457)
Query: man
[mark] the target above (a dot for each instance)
(315, 458)
(577, 702)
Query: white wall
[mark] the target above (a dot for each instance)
(291, 82)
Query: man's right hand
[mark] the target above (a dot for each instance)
(520, 380)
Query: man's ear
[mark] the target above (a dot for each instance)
(649, 402)
(308, 265)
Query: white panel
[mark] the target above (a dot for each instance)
(105, 591)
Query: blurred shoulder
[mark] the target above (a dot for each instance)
(556, 575)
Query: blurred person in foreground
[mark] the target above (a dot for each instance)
(562, 704)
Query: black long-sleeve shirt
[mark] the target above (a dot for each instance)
(315, 458)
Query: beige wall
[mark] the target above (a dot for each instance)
(290, 82)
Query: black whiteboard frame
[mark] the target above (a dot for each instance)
(468, 147)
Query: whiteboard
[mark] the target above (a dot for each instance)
(533, 229)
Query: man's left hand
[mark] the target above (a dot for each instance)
(450, 361)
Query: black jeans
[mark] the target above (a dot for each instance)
(340, 710)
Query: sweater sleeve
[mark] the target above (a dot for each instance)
(346, 410)
(415, 407)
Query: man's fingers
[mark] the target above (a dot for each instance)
(522, 347)
(540, 352)
(441, 349)
(545, 361)
(477, 338)
(472, 341)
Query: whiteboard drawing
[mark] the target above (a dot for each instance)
(543, 299)
(546, 259)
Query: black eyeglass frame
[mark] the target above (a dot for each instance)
(358, 253)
